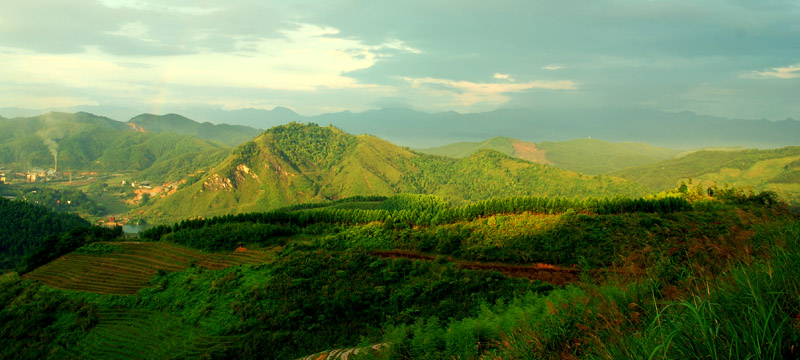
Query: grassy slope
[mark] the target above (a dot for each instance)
(297, 163)
(591, 156)
(760, 169)
(580, 155)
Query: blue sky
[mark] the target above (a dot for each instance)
(738, 59)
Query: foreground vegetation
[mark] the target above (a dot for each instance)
(688, 275)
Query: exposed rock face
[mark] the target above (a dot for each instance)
(242, 171)
(217, 182)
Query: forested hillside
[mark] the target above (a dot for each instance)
(25, 226)
(586, 156)
(300, 163)
(231, 135)
(85, 142)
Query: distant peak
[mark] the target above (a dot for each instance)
(283, 110)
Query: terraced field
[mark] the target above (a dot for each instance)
(342, 354)
(141, 334)
(128, 268)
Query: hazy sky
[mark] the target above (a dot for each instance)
(737, 59)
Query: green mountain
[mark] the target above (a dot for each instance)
(776, 170)
(586, 156)
(87, 142)
(228, 134)
(298, 163)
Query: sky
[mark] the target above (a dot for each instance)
(737, 59)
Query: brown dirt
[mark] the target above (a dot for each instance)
(528, 151)
(552, 274)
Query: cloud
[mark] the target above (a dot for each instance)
(158, 7)
(552, 67)
(501, 76)
(467, 94)
(305, 58)
(787, 72)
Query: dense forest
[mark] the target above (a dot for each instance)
(24, 227)
(417, 277)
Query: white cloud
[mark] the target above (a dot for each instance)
(467, 93)
(135, 30)
(787, 72)
(552, 67)
(307, 58)
(501, 76)
(157, 7)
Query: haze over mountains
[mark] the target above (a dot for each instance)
(406, 127)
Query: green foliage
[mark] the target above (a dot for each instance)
(25, 226)
(97, 248)
(665, 175)
(54, 246)
(591, 156)
(226, 236)
(311, 145)
(464, 149)
(414, 202)
(321, 300)
(747, 310)
(61, 200)
(295, 163)
(40, 323)
(657, 276)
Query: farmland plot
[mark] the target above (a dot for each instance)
(131, 265)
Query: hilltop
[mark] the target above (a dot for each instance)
(299, 163)
(588, 156)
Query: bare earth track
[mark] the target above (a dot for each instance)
(552, 274)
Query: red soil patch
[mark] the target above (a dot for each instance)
(528, 151)
(553, 274)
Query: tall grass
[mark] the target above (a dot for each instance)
(749, 313)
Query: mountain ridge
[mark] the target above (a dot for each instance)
(298, 163)
(418, 129)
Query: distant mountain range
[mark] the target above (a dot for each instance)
(406, 127)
